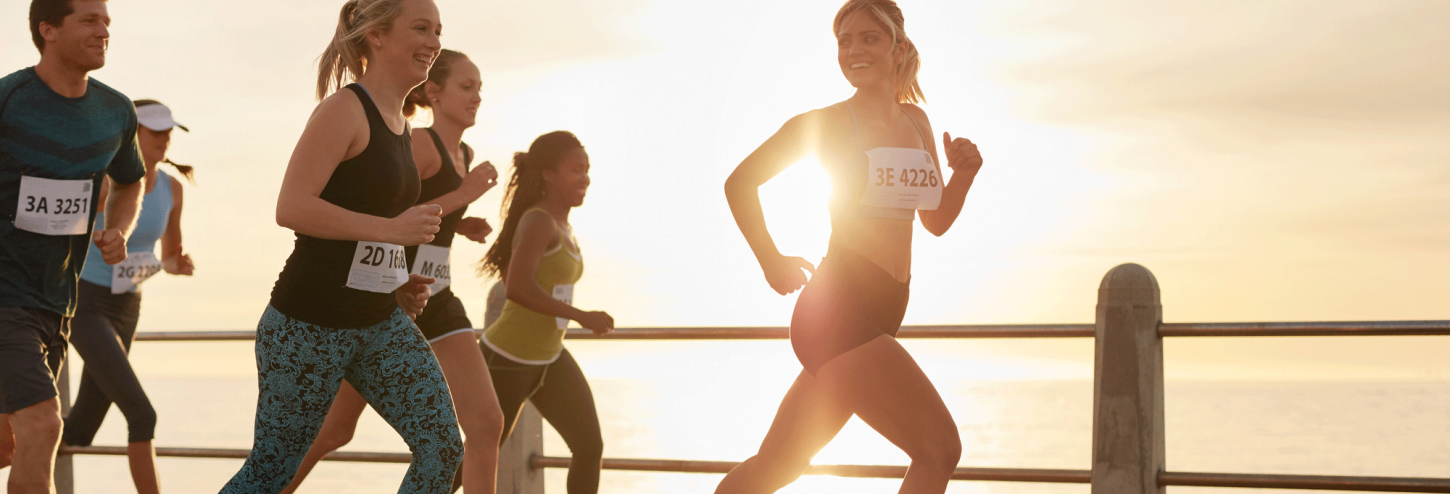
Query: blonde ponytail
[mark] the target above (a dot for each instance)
(908, 90)
(345, 58)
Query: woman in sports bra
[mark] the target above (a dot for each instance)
(342, 306)
(451, 92)
(885, 174)
(539, 260)
(108, 304)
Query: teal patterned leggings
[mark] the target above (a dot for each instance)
(299, 368)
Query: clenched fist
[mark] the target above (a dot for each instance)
(111, 243)
(416, 225)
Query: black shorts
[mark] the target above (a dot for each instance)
(443, 316)
(32, 349)
(848, 302)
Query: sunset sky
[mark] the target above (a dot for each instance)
(1267, 160)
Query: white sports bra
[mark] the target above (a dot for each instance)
(895, 182)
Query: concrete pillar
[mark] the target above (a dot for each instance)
(515, 475)
(1128, 439)
(64, 470)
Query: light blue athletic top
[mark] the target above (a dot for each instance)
(150, 224)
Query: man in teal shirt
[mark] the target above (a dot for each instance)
(61, 134)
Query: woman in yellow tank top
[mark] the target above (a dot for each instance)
(539, 261)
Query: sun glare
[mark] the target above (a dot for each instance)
(795, 209)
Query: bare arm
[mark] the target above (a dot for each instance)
(173, 260)
(478, 181)
(425, 155)
(338, 131)
(535, 232)
(954, 195)
(742, 190)
(122, 202)
(475, 183)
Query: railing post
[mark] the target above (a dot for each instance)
(1128, 439)
(515, 474)
(64, 469)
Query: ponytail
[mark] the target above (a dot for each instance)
(525, 189)
(438, 75)
(345, 58)
(187, 171)
(888, 15)
(908, 90)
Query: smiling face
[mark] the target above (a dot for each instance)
(458, 98)
(81, 38)
(866, 53)
(569, 180)
(412, 43)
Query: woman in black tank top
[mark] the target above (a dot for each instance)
(341, 307)
(451, 92)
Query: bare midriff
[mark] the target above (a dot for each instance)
(886, 242)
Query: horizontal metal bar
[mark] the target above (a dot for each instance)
(723, 333)
(1340, 328)
(1263, 481)
(1333, 328)
(355, 456)
(196, 335)
(857, 471)
(1311, 482)
(781, 333)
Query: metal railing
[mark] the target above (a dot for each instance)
(1127, 460)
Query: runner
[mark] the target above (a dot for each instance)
(451, 92)
(885, 173)
(341, 307)
(110, 304)
(61, 134)
(540, 261)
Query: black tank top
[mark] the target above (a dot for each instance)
(443, 182)
(383, 182)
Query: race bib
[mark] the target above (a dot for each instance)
(138, 267)
(565, 294)
(901, 178)
(54, 207)
(378, 267)
(432, 261)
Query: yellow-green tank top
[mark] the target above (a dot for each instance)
(528, 337)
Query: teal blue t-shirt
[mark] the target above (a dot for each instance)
(46, 135)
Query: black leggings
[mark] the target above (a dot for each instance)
(562, 396)
(102, 331)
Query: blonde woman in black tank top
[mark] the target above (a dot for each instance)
(341, 307)
(451, 92)
(885, 172)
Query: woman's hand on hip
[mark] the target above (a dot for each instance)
(784, 273)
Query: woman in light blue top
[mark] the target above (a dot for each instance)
(109, 304)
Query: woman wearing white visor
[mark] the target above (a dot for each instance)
(109, 304)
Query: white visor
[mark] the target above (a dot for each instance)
(157, 117)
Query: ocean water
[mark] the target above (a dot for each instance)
(714, 401)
